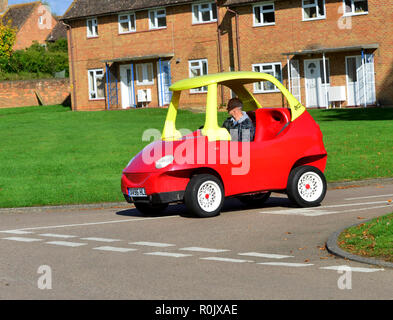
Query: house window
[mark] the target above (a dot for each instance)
(313, 9)
(198, 68)
(204, 12)
(354, 7)
(127, 23)
(41, 20)
(157, 19)
(92, 28)
(264, 14)
(273, 69)
(144, 74)
(96, 84)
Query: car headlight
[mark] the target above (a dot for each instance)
(164, 162)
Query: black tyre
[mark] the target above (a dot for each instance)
(204, 196)
(255, 200)
(150, 209)
(306, 186)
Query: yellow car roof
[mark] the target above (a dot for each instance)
(201, 81)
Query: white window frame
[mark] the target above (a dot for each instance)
(128, 20)
(199, 67)
(273, 67)
(262, 8)
(353, 13)
(93, 88)
(145, 74)
(313, 5)
(156, 17)
(94, 24)
(198, 6)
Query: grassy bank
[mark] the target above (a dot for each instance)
(372, 239)
(50, 155)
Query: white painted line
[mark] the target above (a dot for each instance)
(265, 255)
(91, 223)
(16, 232)
(61, 236)
(153, 244)
(198, 249)
(20, 239)
(226, 260)
(100, 239)
(369, 197)
(169, 254)
(283, 264)
(353, 204)
(115, 249)
(66, 243)
(348, 268)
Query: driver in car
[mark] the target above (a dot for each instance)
(239, 125)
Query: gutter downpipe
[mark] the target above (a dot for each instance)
(364, 78)
(71, 46)
(326, 83)
(289, 75)
(237, 37)
(219, 47)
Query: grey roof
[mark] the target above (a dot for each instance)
(58, 32)
(86, 8)
(18, 14)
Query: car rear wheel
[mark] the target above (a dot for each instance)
(150, 209)
(204, 196)
(306, 186)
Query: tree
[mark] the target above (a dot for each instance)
(7, 40)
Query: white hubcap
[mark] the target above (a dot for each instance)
(310, 186)
(209, 196)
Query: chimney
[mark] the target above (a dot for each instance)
(3, 5)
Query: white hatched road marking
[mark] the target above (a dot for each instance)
(369, 197)
(115, 249)
(61, 236)
(100, 239)
(66, 243)
(168, 254)
(153, 244)
(198, 249)
(348, 268)
(20, 239)
(265, 255)
(283, 264)
(16, 232)
(226, 260)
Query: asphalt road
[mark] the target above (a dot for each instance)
(274, 252)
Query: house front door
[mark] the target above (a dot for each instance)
(316, 87)
(127, 86)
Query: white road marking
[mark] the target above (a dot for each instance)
(66, 243)
(20, 239)
(100, 239)
(90, 224)
(153, 244)
(115, 249)
(169, 254)
(16, 232)
(345, 268)
(353, 204)
(369, 197)
(61, 236)
(198, 249)
(265, 255)
(283, 264)
(226, 260)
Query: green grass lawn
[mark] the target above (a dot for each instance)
(372, 239)
(50, 155)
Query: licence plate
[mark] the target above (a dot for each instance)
(137, 192)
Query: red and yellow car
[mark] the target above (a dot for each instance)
(203, 168)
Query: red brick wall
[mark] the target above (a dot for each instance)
(33, 31)
(23, 93)
(257, 45)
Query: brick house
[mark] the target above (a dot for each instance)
(127, 53)
(33, 22)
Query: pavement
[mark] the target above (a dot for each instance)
(110, 251)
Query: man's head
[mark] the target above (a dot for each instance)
(235, 107)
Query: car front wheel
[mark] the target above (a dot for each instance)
(204, 196)
(306, 186)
